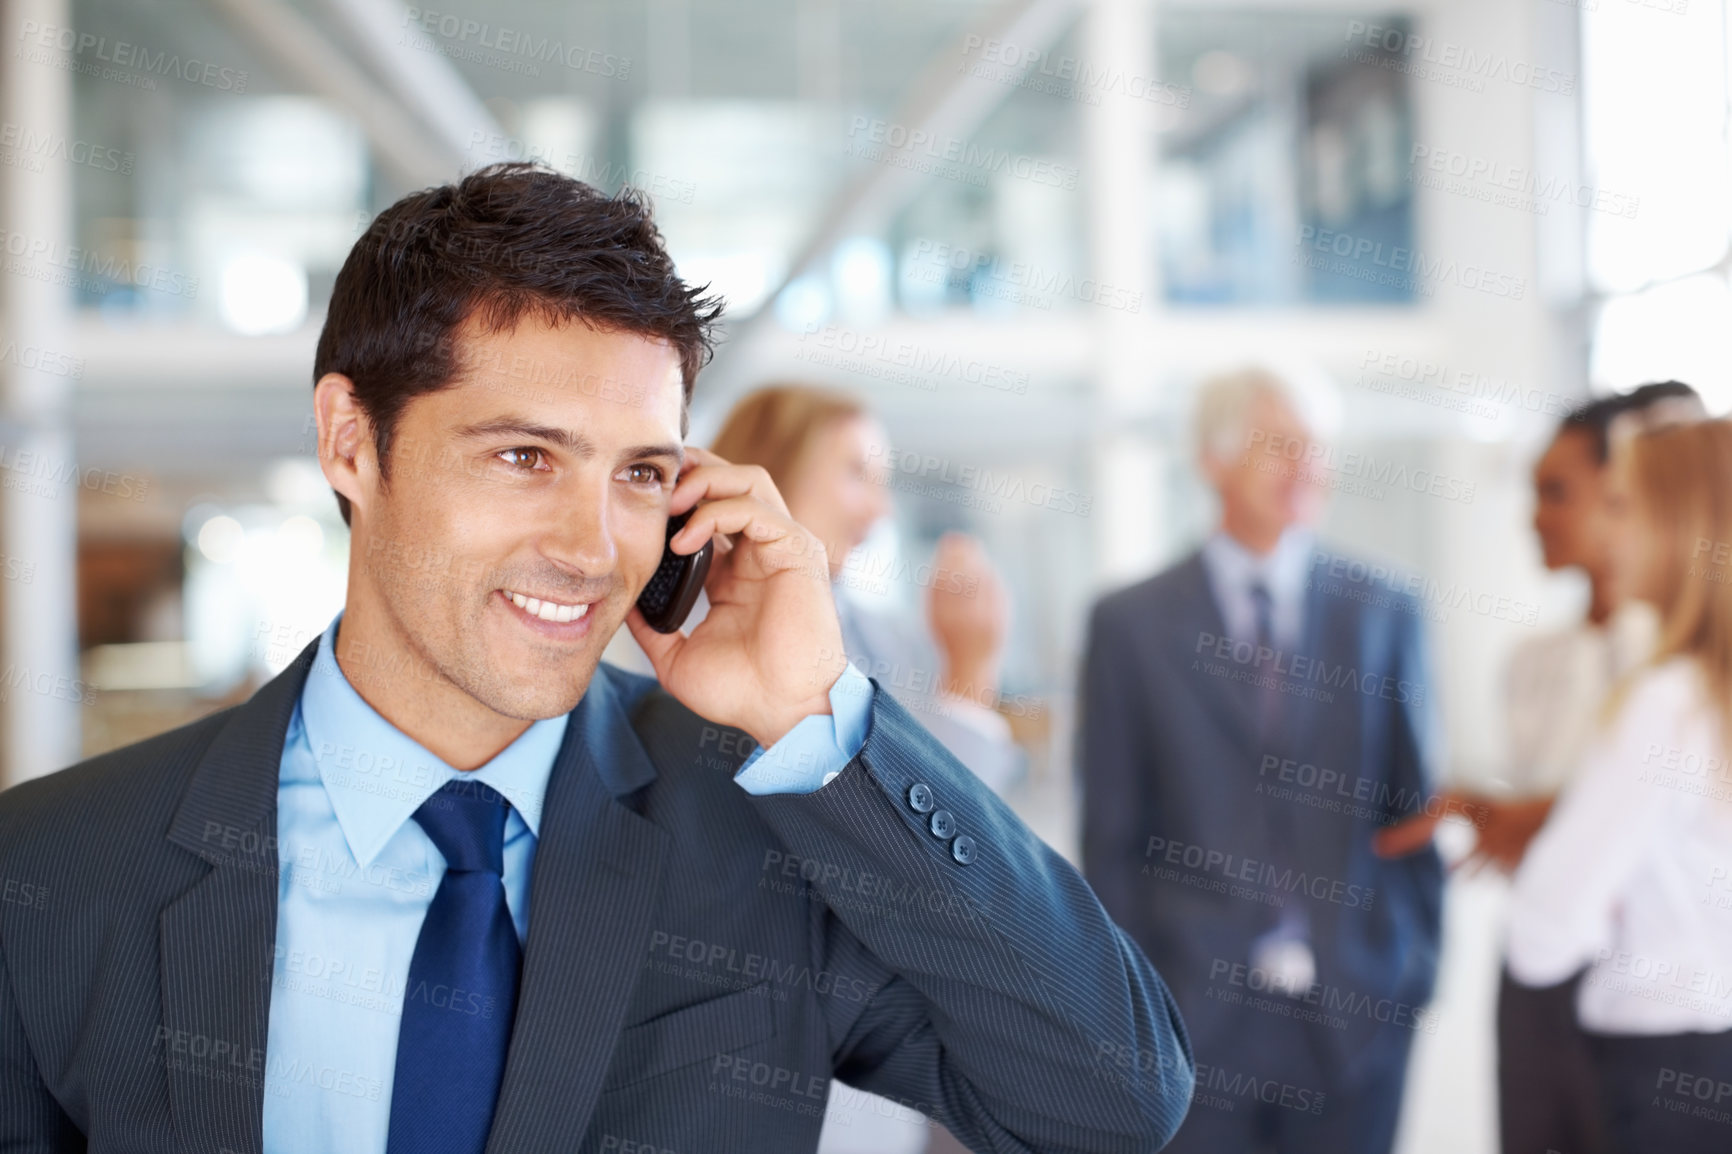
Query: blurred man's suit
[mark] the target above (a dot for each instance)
(1193, 821)
(683, 987)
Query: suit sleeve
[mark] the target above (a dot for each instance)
(1417, 750)
(1110, 760)
(1006, 1003)
(31, 1121)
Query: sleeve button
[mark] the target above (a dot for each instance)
(920, 797)
(943, 824)
(962, 849)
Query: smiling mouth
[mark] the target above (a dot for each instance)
(554, 611)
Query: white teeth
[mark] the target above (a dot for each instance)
(547, 610)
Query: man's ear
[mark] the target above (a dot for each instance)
(346, 450)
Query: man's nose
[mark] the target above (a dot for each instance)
(579, 533)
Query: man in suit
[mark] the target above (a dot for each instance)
(1249, 718)
(449, 884)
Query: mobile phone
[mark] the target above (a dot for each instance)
(668, 598)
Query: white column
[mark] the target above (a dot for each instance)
(39, 503)
(1118, 145)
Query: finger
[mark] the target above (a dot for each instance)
(712, 482)
(660, 648)
(782, 541)
(705, 456)
(1404, 838)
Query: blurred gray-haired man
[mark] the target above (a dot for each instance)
(1249, 718)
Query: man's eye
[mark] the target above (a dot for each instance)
(644, 474)
(522, 458)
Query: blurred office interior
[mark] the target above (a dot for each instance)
(1023, 229)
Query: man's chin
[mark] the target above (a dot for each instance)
(537, 700)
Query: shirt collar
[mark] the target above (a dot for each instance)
(1282, 570)
(377, 776)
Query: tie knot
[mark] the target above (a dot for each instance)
(466, 820)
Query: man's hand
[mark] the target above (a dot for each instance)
(969, 610)
(771, 646)
(1505, 827)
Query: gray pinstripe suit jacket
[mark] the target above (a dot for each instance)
(700, 964)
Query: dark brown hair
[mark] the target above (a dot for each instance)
(506, 241)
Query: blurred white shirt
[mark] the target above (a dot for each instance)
(1555, 685)
(1632, 874)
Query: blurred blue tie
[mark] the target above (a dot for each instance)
(1268, 683)
(462, 989)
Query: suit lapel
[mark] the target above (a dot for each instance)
(217, 939)
(597, 871)
(1194, 612)
(1316, 627)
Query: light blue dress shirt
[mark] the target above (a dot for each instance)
(1233, 569)
(358, 875)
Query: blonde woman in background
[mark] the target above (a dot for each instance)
(1631, 875)
(829, 459)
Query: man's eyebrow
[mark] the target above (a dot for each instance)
(576, 444)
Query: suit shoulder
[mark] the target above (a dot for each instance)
(1379, 588)
(136, 786)
(628, 688)
(1152, 596)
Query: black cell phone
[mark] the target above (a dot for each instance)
(668, 598)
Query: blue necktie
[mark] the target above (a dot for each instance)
(1269, 687)
(462, 989)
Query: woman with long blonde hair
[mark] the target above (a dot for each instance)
(1631, 877)
(831, 460)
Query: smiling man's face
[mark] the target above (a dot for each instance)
(525, 509)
